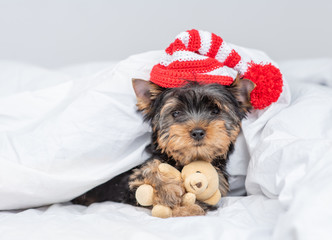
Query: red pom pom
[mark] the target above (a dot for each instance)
(268, 80)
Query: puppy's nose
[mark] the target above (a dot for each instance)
(197, 134)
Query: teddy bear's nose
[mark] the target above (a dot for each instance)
(196, 183)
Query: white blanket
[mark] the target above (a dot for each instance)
(64, 132)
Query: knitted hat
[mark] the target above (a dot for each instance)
(205, 58)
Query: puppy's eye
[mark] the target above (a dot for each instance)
(176, 114)
(215, 111)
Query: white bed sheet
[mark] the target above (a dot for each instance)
(49, 118)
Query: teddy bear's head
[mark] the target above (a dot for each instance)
(201, 178)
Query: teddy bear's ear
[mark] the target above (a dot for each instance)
(145, 91)
(241, 89)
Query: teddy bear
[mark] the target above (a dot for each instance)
(200, 180)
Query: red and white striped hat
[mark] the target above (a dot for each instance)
(205, 58)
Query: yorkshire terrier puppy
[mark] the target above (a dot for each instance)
(189, 123)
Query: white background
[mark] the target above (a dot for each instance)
(62, 32)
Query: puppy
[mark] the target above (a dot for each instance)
(189, 123)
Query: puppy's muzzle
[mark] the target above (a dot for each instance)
(197, 134)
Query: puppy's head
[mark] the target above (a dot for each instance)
(194, 122)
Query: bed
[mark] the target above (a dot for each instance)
(65, 131)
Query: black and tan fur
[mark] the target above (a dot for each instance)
(193, 122)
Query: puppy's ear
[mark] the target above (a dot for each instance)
(241, 89)
(146, 92)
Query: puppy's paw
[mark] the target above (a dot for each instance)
(167, 188)
(169, 194)
(188, 210)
